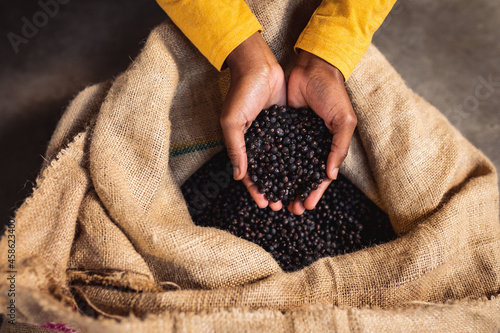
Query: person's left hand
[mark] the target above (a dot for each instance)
(315, 84)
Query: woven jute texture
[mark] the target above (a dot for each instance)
(107, 225)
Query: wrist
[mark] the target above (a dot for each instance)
(310, 62)
(252, 56)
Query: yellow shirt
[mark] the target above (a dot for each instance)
(339, 31)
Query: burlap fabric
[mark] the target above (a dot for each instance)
(107, 223)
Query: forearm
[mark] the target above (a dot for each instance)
(216, 28)
(340, 31)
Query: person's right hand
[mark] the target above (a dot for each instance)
(257, 82)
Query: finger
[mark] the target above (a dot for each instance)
(252, 188)
(297, 207)
(313, 198)
(290, 207)
(275, 205)
(342, 135)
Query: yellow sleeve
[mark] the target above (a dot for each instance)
(215, 27)
(340, 31)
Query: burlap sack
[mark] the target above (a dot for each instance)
(107, 223)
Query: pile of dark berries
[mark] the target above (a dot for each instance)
(287, 152)
(344, 220)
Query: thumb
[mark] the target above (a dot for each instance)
(235, 118)
(235, 144)
(246, 98)
(342, 134)
(340, 119)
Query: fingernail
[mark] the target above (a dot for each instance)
(335, 173)
(236, 172)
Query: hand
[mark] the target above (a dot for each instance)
(257, 82)
(315, 84)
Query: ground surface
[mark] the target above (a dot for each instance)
(444, 50)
